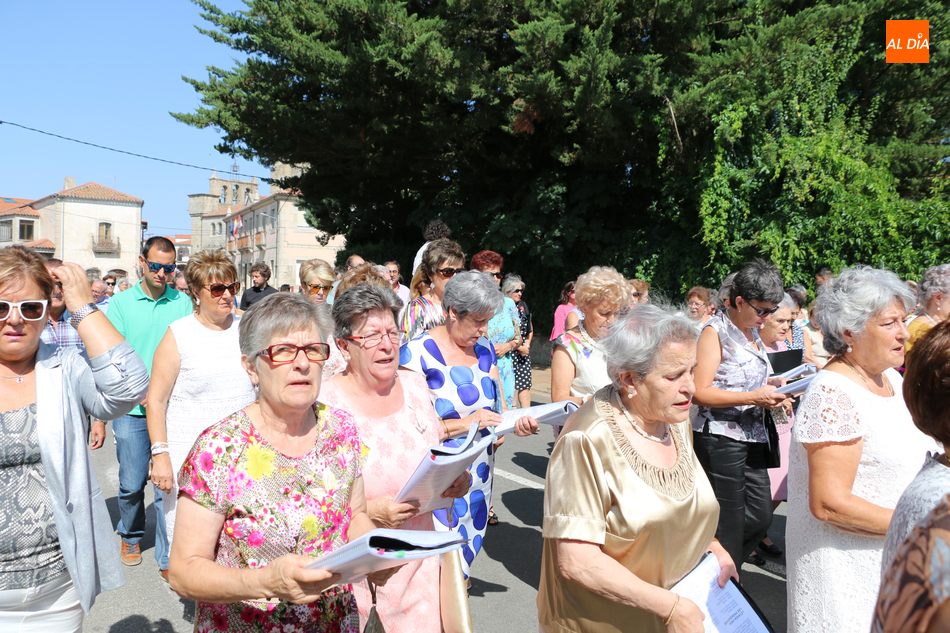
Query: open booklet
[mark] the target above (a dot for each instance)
(443, 464)
(382, 549)
(727, 609)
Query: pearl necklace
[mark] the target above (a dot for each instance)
(18, 379)
(659, 439)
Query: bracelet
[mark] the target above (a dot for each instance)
(159, 451)
(444, 428)
(666, 622)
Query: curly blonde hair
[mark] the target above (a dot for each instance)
(601, 284)
(205, 267)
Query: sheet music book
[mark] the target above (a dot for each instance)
(796, 372)
(439, 468)
(727, 609)
(382, 549)
(553, 414)
(783, 361)
(796, 387)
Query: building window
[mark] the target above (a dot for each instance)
(224, 194)
(234, 194)
(6, 231)
(247, 195)
(26, 230)
(105, 232)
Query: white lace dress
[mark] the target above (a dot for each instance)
(833, 575)
(211, 385)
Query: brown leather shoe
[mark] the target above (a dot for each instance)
(131, 554)
(164, 574)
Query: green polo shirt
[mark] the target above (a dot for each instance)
(143, 320)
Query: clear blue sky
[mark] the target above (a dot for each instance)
(108, 72)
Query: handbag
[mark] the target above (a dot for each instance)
(453, 596)
(773, 457)
(373, 623)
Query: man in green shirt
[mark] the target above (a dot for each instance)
(141, 315)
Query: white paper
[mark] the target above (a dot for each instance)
(801, 370)
(725, 608)
(382, 549)
(553, 414)
(797, 387)
(436, 472)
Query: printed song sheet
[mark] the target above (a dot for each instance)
(727, 609)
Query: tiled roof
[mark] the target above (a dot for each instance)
(40, 244)
(17, 206)
(220, 211)
(95, 191)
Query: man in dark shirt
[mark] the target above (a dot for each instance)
(260, 275)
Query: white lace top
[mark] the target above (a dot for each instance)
(833, 575)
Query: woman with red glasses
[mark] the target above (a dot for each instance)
(441, 260)
(197, 377)
(272, 486)
(57, 546)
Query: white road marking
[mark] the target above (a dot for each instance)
(518, 479)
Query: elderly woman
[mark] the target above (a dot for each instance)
(316, 280)
(697, 303)
(854, 451)
(398, 425)
(271, 486)
(197, 377)
(934, 299)
(513, 287)
(733, 391)
(458, 362)
(628, 510)
(441, 260)
(578, 366)
(639, 291)
(58, 547)
(504, 328)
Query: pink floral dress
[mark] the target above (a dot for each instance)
(275, 505)
(409, 602)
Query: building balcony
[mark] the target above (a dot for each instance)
(106, 247)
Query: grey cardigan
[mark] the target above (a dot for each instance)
(69, 389)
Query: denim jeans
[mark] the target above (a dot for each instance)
(133, 449)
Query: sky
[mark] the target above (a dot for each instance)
(109, 72)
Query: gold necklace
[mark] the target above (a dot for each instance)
(659, 439)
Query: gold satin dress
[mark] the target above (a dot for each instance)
(657, 522)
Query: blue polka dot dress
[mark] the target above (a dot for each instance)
(458, 391)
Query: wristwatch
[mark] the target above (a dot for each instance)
(81, 314)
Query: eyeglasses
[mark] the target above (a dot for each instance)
(110, 283)
(449, 272)
(155, 267)
(318, 288)
(761, 312)
(696, 304)
(373, 340)
(284, 353)
(30, 310)
(496, 274)
(217, 290)
(518, 290)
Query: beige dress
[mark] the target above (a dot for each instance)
(656, 522)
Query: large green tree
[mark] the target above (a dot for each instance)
(670, 138)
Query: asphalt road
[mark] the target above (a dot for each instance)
(504, 577)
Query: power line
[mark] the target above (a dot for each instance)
(121, 151)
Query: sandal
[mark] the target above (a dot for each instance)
(492, 517)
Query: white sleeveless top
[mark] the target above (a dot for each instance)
(211, 385)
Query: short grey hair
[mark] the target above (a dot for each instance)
(788, 302)
(472, 292)
(511, 283)
(280, 313)
(936, 280)
(846, 302)
(637, 336)
(351, 308)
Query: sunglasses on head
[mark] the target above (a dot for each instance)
(155, 267)
(30, 310)
(449, 272)
(217, 290)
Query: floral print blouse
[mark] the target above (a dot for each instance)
(275, 505)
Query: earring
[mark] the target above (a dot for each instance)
(630, 395)
(849, 349)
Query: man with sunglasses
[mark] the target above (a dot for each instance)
(141, 315)
(260, 275)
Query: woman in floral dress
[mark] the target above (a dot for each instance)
(272, 486)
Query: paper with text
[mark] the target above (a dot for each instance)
(727, 609)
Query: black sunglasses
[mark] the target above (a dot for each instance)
(155, 267)
(449, 272)
(761, 312)
(217, 290)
